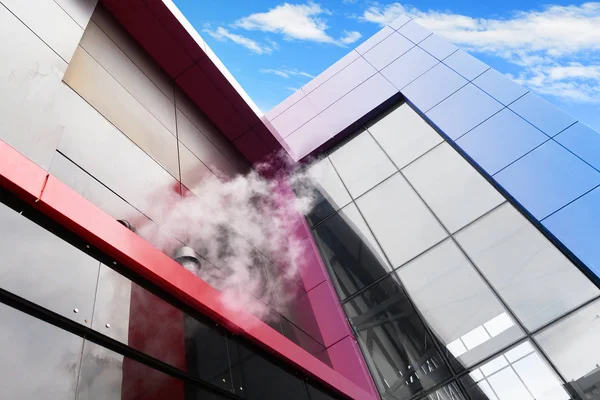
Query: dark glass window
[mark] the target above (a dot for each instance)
(403, 358)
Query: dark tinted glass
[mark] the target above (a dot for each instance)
(351, 262)
(403, 357)
(315, 393)
(39, 360)
(451, 391)
(265, 380)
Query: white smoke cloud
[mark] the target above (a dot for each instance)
(244, 228)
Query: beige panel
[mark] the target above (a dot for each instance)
(104, 93)
(210, 131)
(121, 68)
(115, 31)
(80, 10)
(100, 149)
(50, 22)
(30, 75)
(193, 171)
(207, 152)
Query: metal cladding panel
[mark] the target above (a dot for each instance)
(542, 114)
(500, 87)
(438, 47)
(465, 64)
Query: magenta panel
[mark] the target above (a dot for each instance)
(312, 270)
(328, 313)
(252, 147)
(343, 356)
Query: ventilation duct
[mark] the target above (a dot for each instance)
(187, 257)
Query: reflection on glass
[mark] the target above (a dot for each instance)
(331, 193)
(451, 391)
(573, 345)
(457, 304)
(350, 251)
(362, 164)
(39, 360)
(537, 282)
(518, 374)
(402, 356)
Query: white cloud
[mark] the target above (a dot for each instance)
(286, 72)
(296, 21)
(223, 34)
(557, 48)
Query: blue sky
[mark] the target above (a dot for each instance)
(273, 47)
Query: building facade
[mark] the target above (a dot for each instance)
(452, 252)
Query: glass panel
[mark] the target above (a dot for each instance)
(404, 135)
(438, 47)
(361, 164)
(458, 306)
(414, 31)
(500, 87)
(577, 226)
(407, 68)
(350, 251)
(134, 316)
(402, 356)
(106, 375)
(473, 106)
(500, 140)
(451, 391)
(572, 345)
(465, 64)
(314, 393)
(38, 360)
(388, 50)
(542, 114)
(508, 378)
(268, 381)
(331, 193)
(399, 220)
(582, 141)
(537, 282)
(44, 269)
(433, 86)
(547, 178)
(454, 190)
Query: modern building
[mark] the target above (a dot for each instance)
(454, 252)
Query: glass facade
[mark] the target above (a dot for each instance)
(451, 292)
(76, 325)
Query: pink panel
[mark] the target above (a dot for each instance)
(267, 137)
(347, 359)
(143, 25)
(252, 147)
(328, 312)
(210, 100)
(312, 270)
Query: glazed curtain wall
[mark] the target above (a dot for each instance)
(452, 293)
(74, 327)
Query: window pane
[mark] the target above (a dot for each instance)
(454, 190)
(457, 304)
(451, 391)
(331, 193)
(402, 356)
(38, 360)
(43, 268)
(404, 135)
(350, 251)
(573, 346)
(399, 220)
(537, 282)
(506, 378)
(362, 164)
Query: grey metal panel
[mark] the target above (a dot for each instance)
(30, 75)
(80, 10)
(108, 155)
(88, 187)
(203, 148)
(38, 360)
(124, 71)
(115, 31)
(209, 130)
(104, 93)
(193, 171)
(44, 269)
(50, 22)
